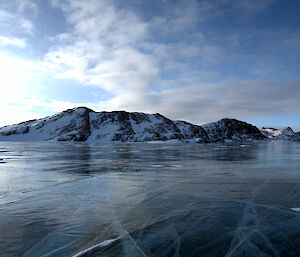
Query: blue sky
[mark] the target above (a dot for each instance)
(194, 60)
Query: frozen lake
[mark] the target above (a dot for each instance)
(149, 199)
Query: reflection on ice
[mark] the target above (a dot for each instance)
(295, 209)
(64, 199)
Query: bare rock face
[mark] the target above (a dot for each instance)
(191, 131)
(78, 128)
(232, 129)
(83, 124)
(124, 126)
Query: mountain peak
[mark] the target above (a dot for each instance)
(84, 124)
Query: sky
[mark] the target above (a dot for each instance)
(198, 61)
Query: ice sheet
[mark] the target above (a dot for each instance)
(63, 199)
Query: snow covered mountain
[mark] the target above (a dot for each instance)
(83, 124)
(280, 134)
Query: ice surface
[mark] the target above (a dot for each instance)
(81, 199)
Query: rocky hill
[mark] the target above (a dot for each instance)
(280, 134)
(83, 124)
(232, 129)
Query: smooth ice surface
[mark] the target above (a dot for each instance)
(142, 199)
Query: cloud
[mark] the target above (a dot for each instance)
(14, 22)
(116, 50)
(174, 62)
(20, 82)
(13, 41)
(200, 103)
(15, 75)
(102, 49)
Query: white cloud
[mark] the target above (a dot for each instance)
(15, 22)
(20, 83)
(112, 47)
(102, 48)
(15, 16)
(13, 41)
(15, 72)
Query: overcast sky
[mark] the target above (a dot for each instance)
(194, 60)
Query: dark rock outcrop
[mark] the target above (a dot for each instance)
(191, 131)
(124, 126)
(232, 129)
